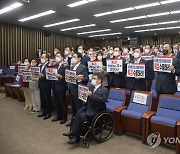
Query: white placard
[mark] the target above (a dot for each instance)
(17, 78)
(178, 87)
(147, 57)
(51, 73)
(12, 67)
(136, 70)
(114, 65)
(35, 72)
(140, 98)
(162, 64)
(82, 92)
(95, 66)
(70, 76)
(27, 76)
(21, 69)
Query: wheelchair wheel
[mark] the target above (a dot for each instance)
(102, 126)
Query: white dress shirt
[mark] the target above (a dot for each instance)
(96, 87)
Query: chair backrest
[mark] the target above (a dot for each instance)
(117, 98)
(9, 71)
(169, 107)
(141, 101)
(153, 84)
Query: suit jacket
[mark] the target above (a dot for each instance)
(37, 55)
(166, 81)
(85, 60)
(60, 85)
(43, 83)
(118, 80)
(138, 84)
(73, 88)
(97, 101)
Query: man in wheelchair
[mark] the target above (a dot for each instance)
(97, 96)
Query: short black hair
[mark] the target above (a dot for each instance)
(68, 47)
(168, 44)
(149, 45)
(79, 55)
(61, 53)
(138, 47)
(83, 47)
(99, 75)
(120, 49)
(47, 55)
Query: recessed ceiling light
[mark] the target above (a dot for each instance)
(168, 22)
(123, 10)
(120, 20)
(105, 34)
(11, 7)
(139, 17)
(175, 12)
(61, 23)
(158, 14)
(176, 27)
(97, 31)
(169, 1)
(146, 25)
(37, 15)
(156, 29)
(80, 3)
(103, 14)
(146, 5)
(136, 26)
(78, 27)
(145, 30)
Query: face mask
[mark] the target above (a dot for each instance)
(146, 51)
(57, 59)
(66, 52)
(136, 55)
(93, 82)
(25, 63)
(110, 51)
(99, 58)
(73, 60)
(116, 54)
(43, 61)
(104, 56)
(165, 52)
(125, 51)
(80, 51)
(130, 52)
(90, 53)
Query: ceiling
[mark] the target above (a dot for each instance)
(85, 14)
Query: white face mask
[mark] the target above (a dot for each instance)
(73, 60)
(43, 61)
(110, 51)
(146, 51)
(57, 59)
(99, 58)
(93, 82)
(80, 51)
(136, 55)
(116, 54)
(66, 52)
(90, 53)
(131, 52)
(125, 51)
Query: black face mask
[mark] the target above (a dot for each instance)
(165, 52)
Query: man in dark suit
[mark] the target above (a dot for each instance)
(165, 82)
(137, 83)
(85, 58)
(81, 78)
(38, 54)
(117, 79)
(45, 88)
(68, 55)
(98, 95)
(59, 89)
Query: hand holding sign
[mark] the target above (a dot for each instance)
(89, 93)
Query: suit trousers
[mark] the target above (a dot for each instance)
(76, 104)
(27, 95)
(45, 96)
(60, 99)
(35, 95)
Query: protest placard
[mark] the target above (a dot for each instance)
(27, 76)
(70, 76)
(51, 73)
(95, 66)
(136, 70)
(21, 69)
(140, 98)
(35, 71)
(114, 65)
(82, 92)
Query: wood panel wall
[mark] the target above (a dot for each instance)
(17, 43)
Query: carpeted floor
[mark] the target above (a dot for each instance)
(23, 133)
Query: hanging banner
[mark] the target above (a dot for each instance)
(136, 70)
(95, 66)
(162, 64)
(51, 73)
(70, 76)
(82, 92)
(114, 65)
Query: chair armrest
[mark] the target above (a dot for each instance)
(119, 109)
(148, 114)
(178, 123)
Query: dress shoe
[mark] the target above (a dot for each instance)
(41, 115)
(56, 119)
(63, 121)
(47, 117)
(68, 125)
(68, 134)
(74, 139)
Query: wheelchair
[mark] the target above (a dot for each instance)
(100, 127)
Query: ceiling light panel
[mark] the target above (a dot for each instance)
(97, 31)
(82, 2)
(62, 23)
(10, 8)
(110, 34)
(78, 27)
(37, 16)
